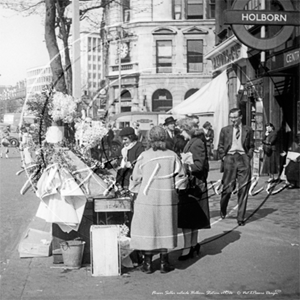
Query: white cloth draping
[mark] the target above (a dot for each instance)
(62, 200)
(210, 99)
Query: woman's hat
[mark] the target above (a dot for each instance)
(169, 120)
(127, 131)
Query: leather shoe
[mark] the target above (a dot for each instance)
(241, 223)
(222, 215)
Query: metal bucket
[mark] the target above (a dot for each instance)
(72, 252)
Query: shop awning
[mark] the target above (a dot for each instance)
(210, 99)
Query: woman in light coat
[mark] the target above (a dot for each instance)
(156, 176)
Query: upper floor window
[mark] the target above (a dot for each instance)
(211, 8)
(126, 11)
(194, 56)
(177, 9)
(164, 56)
(194, 9)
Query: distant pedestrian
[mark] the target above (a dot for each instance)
(170, 124)
(26, 146)
(236, 147)
(209, 137)
(5, 143)
(270, 161)
(110, 136)
(138, 132)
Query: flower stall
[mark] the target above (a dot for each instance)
(75, 190)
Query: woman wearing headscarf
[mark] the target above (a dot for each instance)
(193, 208)
(131, 150)
(156, 176)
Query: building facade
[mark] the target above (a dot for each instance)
(12, 98)
(91, 63)
(38, 79)
(154, 52)
(263, 84)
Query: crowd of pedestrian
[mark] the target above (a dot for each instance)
(169, 182)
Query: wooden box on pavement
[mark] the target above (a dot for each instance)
(105, 250)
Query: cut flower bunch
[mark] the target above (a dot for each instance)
(63, 107)
(89, 133)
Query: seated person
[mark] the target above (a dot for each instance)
(131, 150)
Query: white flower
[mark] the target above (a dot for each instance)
(124, 230)
(90, 135)
(63, 107)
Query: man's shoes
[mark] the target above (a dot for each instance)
(222, 215)
(241, 223)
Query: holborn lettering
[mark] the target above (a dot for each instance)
(264, 17)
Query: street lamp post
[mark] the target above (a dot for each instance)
(119, 62)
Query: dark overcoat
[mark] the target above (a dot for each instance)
(193, 209)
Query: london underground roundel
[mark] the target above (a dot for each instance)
(261, 43)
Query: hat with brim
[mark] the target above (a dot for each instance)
(127, 131)
(169, 120)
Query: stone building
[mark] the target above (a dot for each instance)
(154, 52)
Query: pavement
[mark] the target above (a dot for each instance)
(257, 261)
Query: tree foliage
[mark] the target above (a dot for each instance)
(57, 20)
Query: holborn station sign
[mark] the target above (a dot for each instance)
(238, 17)
(262, 18)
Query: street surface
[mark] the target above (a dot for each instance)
(257, 261)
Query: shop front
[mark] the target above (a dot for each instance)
(264, 81)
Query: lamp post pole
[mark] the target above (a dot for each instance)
(76, 82)
(263, 34)
(119, 57)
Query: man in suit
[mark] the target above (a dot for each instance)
(169, 125)
(236, 146)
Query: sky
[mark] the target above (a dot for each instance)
(22, 45)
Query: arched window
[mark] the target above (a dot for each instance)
(190, 93)
(162, 101)
(125, 95)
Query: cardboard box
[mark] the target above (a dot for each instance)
(36, 243)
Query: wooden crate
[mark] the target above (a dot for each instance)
(105, 250)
